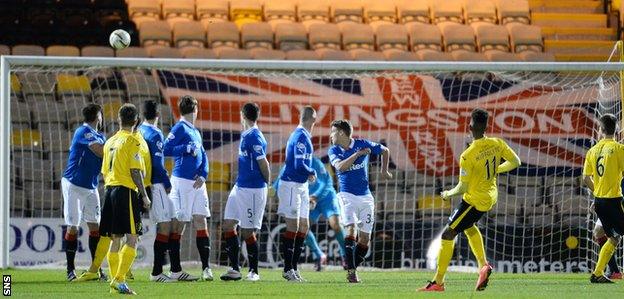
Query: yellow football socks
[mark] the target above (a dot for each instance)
(606, 252)
(113, 263)
(476, 244)
(127, 255)
(444, 258)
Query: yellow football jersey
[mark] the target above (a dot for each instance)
(122, 152)
(605, 163)
(147, 158)
(479, 164)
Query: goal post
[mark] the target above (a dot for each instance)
(547, 112)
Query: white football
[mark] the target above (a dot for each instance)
(119, 39)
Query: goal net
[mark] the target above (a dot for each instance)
(542, 221)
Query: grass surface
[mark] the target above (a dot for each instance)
(46, 284)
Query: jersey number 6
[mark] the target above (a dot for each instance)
(599, 166)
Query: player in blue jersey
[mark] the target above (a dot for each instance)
(294, 199)
(323, 201)
(81, 200)
(188, 186)
(350, 158)
(245, 205)
(162, 211)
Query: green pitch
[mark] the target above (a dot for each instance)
(44, 284)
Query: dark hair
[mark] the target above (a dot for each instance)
(608, 123)
(251, 111)
(479, 119)
(306, 113)
(187, 104)
(90, 112)
(150, 109)
(128, 114)
(343, 125)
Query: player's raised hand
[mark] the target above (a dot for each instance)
(387, 174)
(312, 178)
(364, 152)
(147, 203)
(199, 181)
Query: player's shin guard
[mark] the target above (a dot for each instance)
(174, 252)
(606, 252)
(232, 247)
(613, 266)
(71, 245)
(287, 246)
(360, 254)
(113, 264)
(311, 242)
(203, 246)
(94, 238)
(252, 253)
(444, 258)
(299, 248)
(350, 252)
(341, 241)
(126, 258)
(160, 249)
(475, 240)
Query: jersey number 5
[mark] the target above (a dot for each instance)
(600, 168)
(490, 173)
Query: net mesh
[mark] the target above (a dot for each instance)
(542, 220)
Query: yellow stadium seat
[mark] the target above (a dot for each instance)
(218, 177)
(26, 139)
(433, 202)
(16, 85)
(71, 84)
(110, 110)
(245, 11)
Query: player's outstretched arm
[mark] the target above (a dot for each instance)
(460, 188)
(385, 162)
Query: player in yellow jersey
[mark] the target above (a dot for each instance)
(124, 169)
(479, 164)
(602, 173)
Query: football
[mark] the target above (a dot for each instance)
(119, 39)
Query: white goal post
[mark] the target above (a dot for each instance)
(589, 74)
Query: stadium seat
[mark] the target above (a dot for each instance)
(245, 11)
(291, 36)
(457, 37)
(28, 50)
(265, 54)
(525, 38)
(463, 55)
(26, 140)
(358, 37)
(212, 11)
(513, 11)
(328, 54)
(301, 55)
(368, 56)
(72, 84)
(424, 37)
(447, 11)
(198, 53)
(569, 20)
(62, 51)
(16, 85)
(143, 10)
(324, 36)
(278, 12)
(97, 51)
(479, 11)
(312, 12)
(155, 33)
(37, 83)
(189, 34)
(5, 50)
(222, 35)
(176, 11)
(378, 13)
(132, 52)
(257, 35)
(347, 12)
(492, 38)
(413, 12)
(502, 56)
(392, 38)
(218, 177)
(400, 56)
(55, 137)
(536, 56)
(230, 53)
(20, 112)
(164, 52)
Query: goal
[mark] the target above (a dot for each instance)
(420, 110)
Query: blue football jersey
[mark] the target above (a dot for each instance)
(155, 141)
(355, 179)
(185, 136)
(299, 152)
(251, 149)
(83, 166)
